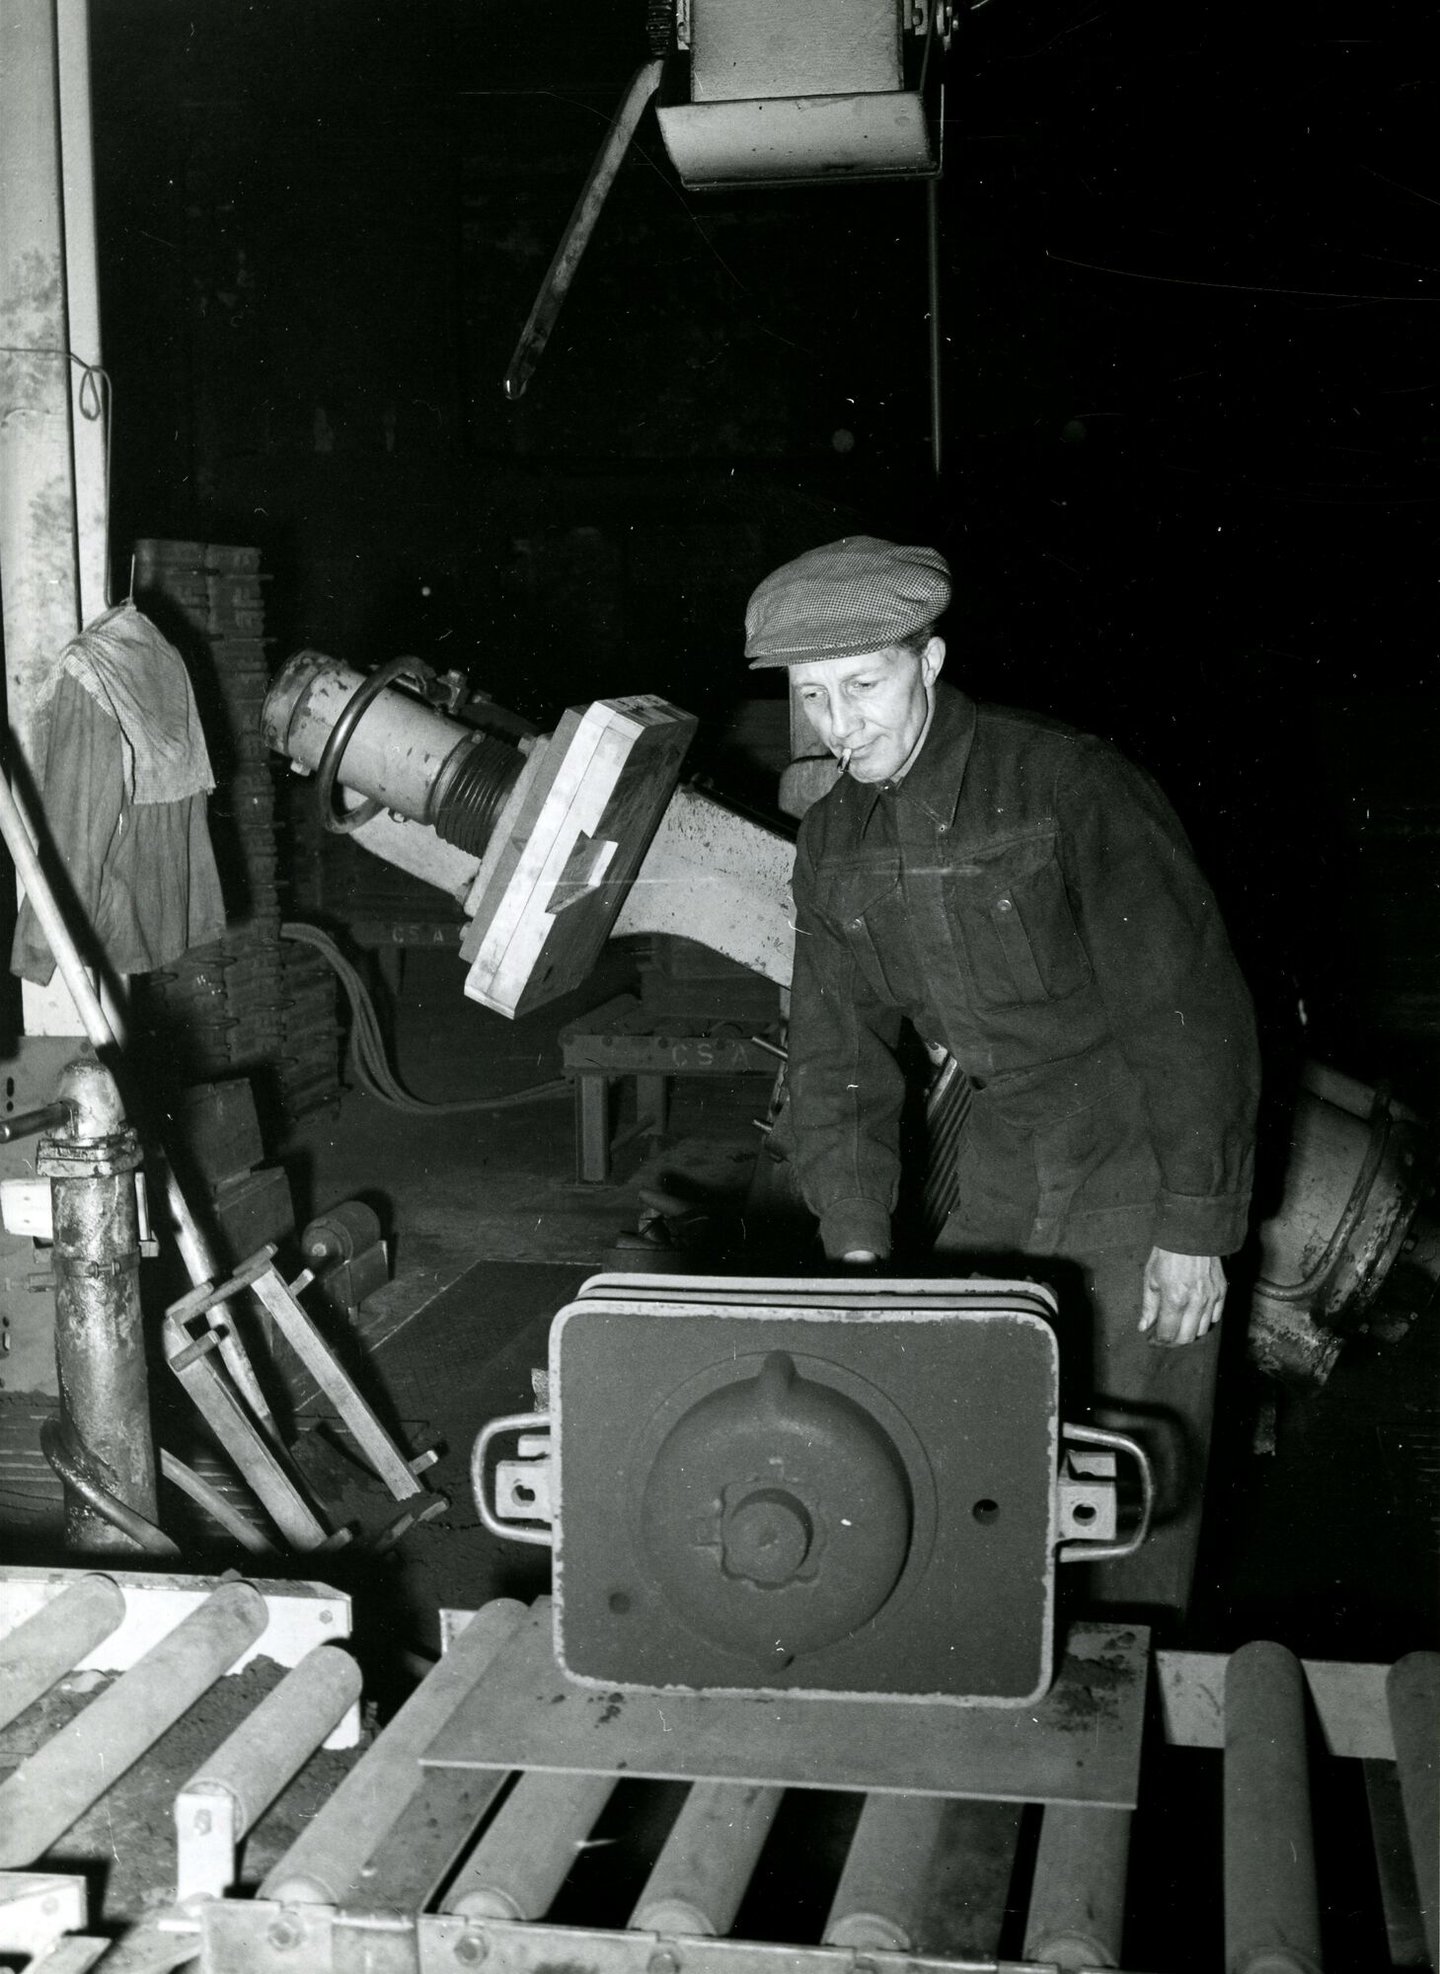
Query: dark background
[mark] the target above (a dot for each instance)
(1190, 264)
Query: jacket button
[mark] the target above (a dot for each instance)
(1004, 904)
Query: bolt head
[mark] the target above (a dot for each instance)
(663, 1962)
(284, 1933)
(471, 1949)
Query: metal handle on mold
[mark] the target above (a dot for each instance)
(537, 1424)
(1081, 1550)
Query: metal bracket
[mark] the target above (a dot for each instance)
(207, 1835)
(26, 1210)
(1086, 1498)
(521, 1510)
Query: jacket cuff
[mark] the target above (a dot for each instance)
(1200, 1223)
(855, 1223)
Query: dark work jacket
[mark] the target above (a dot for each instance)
(1027, 897)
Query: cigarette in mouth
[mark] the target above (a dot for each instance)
(844, 760)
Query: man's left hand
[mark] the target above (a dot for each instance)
(1181, 1297)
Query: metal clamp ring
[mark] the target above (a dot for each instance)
(341, 821)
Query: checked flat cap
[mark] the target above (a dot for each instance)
(844, 600)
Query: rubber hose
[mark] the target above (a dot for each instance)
(368, 1060)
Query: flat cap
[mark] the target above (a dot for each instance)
(844, 600)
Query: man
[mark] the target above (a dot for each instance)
(1026, 897)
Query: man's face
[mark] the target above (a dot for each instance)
(874, 708)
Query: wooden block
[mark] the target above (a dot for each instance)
(219, 1130)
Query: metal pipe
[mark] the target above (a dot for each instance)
(1077, 1898)
(272, 1745)
(194, 1248)
(25, 1123)
(701, 1874)
(54, 1640)
(74, 1768)
(878, 1903)
(523, 1859)
(99, 1343)
(1412, 1693)
(1272, 1910)
(326, 1859)
(576, 237)
(215, 1505)
(99, 1338)
(82, 1481)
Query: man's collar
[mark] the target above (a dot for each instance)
(933, 781)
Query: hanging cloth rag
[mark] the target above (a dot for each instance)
(126, 777)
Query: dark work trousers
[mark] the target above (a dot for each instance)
(1113, 1376)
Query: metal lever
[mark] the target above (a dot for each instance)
(576, 237)
(25, 1123)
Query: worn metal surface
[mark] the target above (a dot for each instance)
(703, 1871)
(775, 1515)
(300, 1615)
(43, 1647)
(99, 1336)
(742, 48)
(247, 1772)
(55, 1786)
(799, 139)
(265, 1473)
(400, 752)
(263, 1937)
(1353, 1182)
(1272, 1905)
(1412, 1691)
(384, 1457)
(525, 1856)
(1079, 1744)
(329, 1860)
(1077, 1899)
(908, 1462)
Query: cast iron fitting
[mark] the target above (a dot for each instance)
(88, 1158)
(91, 1091)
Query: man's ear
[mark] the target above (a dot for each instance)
(932, 658)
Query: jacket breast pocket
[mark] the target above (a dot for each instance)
(1012, 910)
(862, 904)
